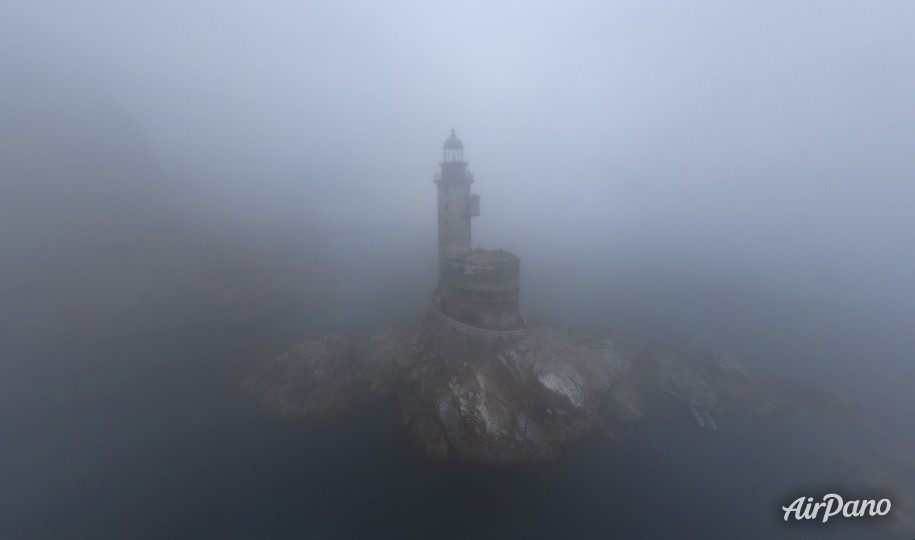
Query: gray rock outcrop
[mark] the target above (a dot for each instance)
(520, 400)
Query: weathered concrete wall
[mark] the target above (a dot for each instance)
(477, 288)
(482, 289)
(466, 343)
(456, 206)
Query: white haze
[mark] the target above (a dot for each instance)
(723, 175)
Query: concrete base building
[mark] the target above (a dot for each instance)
(477, 289)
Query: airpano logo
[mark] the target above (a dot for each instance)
(833, 505)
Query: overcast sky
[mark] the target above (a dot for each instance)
(599, 105)
(772, 141)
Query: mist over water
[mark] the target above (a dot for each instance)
(706, 175)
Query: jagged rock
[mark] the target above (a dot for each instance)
(526, 400)
(314, 379)
(521, 400)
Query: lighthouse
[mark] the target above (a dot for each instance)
(456, 205)
(478, 289)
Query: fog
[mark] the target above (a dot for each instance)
(708, 174)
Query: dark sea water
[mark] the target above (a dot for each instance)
(151, 438)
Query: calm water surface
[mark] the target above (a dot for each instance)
(152, 439)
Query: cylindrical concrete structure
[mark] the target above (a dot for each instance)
(481, 289)
(456, 205)
(477, 290)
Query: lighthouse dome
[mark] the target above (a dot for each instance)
(453, 143)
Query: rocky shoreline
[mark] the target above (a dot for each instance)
(525, 400)
(517, 401)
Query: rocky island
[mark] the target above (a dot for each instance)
(519, 400)
(475, 382)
